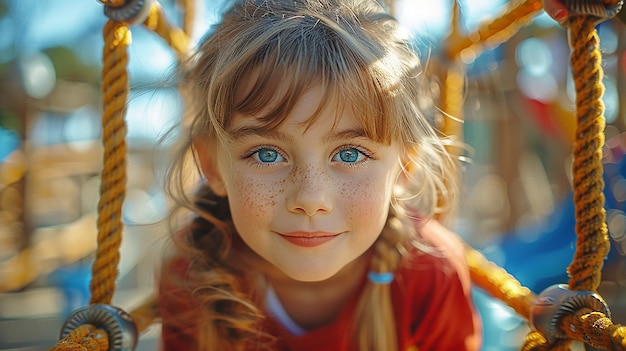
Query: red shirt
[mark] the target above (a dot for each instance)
(432, 302)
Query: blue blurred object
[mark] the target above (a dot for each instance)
(538, 255)
(9, 142)
(73, 280)
(503, 328)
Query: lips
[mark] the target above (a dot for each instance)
(309, 239)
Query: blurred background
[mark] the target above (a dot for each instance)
(517, 204)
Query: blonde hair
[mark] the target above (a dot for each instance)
(354, 49)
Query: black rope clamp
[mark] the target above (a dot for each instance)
(131, 13)
(118, 324)
(556, 302)
(596, 8)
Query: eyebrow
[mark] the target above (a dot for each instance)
(354, 133)
(250, 131)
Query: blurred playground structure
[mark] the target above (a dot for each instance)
(518, 107)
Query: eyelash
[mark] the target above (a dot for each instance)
(249, 156)
(362, 150)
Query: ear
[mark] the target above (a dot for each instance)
(205, 156)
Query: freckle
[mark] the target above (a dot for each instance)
(271, 200)
(281, 186)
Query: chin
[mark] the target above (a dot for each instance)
(310, 276)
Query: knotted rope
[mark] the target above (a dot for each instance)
(84, 338)
(592, 246)
(593, 242)
(117, 38)
(115, 88)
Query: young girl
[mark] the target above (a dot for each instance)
(313, 226)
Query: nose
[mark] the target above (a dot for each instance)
(311, 191)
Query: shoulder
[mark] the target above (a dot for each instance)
(437, 252)
(433, 284)
(434, 234)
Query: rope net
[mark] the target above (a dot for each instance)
(586, 325)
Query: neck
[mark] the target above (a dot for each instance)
(314, 304)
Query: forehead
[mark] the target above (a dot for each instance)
(268, 90)
(312, 105)
(268, 98)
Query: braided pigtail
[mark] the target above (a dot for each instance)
(374, 328)
(228, 318)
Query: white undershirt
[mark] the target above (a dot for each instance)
(278, 311)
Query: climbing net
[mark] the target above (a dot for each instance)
(559, 315)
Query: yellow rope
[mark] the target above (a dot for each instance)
(175, 37)
(591, 327)
(189, 9)
(593, 242)
(117, 38)
(494, 32)
(498, 283)
(595, 329)
(84, 338)
(536, 342)
(592, 246)
(113, 179)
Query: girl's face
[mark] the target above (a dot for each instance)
(309, 201)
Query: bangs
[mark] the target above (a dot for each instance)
(308, 51)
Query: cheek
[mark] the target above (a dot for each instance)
(367, 198)
(255, 199)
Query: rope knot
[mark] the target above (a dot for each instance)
(555, 303)
(129, 12)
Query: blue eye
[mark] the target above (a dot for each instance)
(266, 155)
(349, 155)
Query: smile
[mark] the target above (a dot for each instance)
(308, 239)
